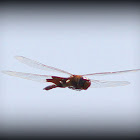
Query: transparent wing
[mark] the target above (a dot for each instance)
(102, 84)
(111, 73)
(38, 65)
(29, 76)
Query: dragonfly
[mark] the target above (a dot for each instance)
(75, 82)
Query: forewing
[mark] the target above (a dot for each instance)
(102, 84)
(111, 73)
(38, 65)
(29, 76)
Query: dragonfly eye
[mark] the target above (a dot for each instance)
(84, 83)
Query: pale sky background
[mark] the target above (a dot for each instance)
(80, 41)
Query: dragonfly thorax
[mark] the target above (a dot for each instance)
(79, 82)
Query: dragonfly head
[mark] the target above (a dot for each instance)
(84, 83)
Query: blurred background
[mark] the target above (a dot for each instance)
(79, 39)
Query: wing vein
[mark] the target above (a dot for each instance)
(111, 73)
(38, 65)
(101, 84)
(29, 76)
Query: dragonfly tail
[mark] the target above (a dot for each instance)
(50, 87)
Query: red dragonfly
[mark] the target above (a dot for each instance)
(76, 82)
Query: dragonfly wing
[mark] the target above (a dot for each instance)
(29, 76)
(38, 65)
(102, 84)
(111, 73)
